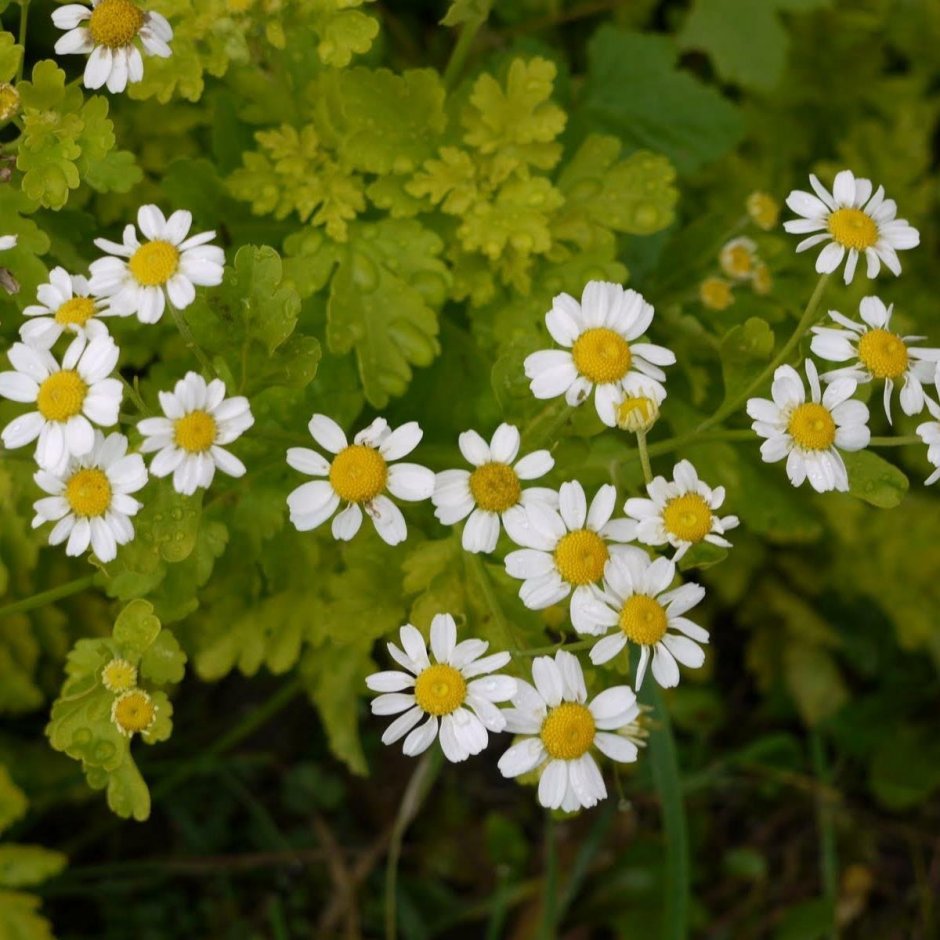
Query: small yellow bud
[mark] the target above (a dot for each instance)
(738, 258)
(715, 293)
(119, 675)
(133, 711)
(637, 413)
(762, 281)
(9, 101)
(764, 210)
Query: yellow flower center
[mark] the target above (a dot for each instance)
(495, 487)
(440, 689)
(133, 711)
(851, 228)
(637, 413)
(115, 23)
(77, 311)
(812, 427)
(688, 517)
(119, 675)
(763, 209)
(580, 557)
(195, 432)
(643, 620)
(737, 260)
(154, 263)
(602, 355)
(61, 396)
(715, 293)
(568, 731)
(884, 353)
(763, 281)
(89, 492)
(358, 473)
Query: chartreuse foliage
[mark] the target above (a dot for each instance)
(81, 723)
(400, 192)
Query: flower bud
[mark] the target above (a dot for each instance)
(715, 293)
(637, 413)
(764, 210)
(738, 258)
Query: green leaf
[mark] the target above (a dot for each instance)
(116, 172)
(667, 110)
(136, 628)
(128, 794)
(13, 802)
(383, 304)
(163, 662)
(22, 866)
(467, 11)
(905, 769)
(814, 680)
(747, 41)
(19, 917)
(10, 56)
(874, 480)
(745, 350)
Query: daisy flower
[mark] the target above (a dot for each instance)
(68, 398)
(877, 353)
(560, 730)
(598, 335)
(133, 712)
(64, 307)
(90, 501)
(493, 490)
(810, 434)
(680, 512)
(853, 222)
(107, 30)
(167, 267)
(738, 258)
(566, 551)
(8, 241)
(929, 433)
(456, 692)
(190, 440)
(358, 475)
(637, 602)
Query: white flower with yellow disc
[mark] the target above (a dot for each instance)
(877, 353)
(65, 306)
(68, 398)
(492, 491)
(852, 222)
(139, 278)
(90, 501)
(134, 712)
(681, 512)
(600, 351)
(456, 693)
(929, 433)
(560, 728)
(811, 433)
(358, 476)
(565, 551)
(638, 604)
(108, 31)
(190, 441)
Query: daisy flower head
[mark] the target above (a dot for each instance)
(811, 433)
(638, 605)
(929, 433)
(456, 693)
(852, 222)
(559, 728)
(358, 475)
(69, 398)
(738, 258)
(680, 512)
(638, 409)
(190, 440)
(65, 306)
(875, 352)
(133, 712)
(492, 491)
(600, 354)
(140, 278)
(107, 30)
(90, 501)
(565, 551)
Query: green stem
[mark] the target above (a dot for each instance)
(48, 597)
(644, 456)
(809, 315)
(190, 340)
(418, 788)
(548, 930)
(473, 560)
(551, 650)
(541, 430)
(21, 39)
(461, 50)
(135, 396)
(901, 441)
(828, 861)
(664, 764)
